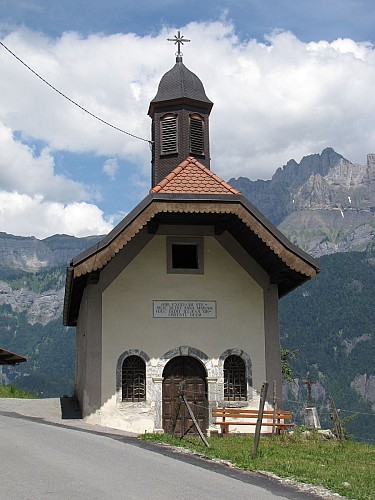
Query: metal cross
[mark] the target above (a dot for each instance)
(309, 384)
(178, 40)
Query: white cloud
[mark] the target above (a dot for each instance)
(286, 99)
(33, 216)
(21, 169)
(110, 168)
(275, 100)
(100, 73)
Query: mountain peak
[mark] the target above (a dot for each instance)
(295, 174)
(324, 203)
(328, 151)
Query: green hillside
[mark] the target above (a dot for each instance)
(49, 348)
(330, 323)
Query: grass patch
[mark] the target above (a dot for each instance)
(346, 467)
(11, 391)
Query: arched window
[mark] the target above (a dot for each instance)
(196, 135)
(133, 379)
(234, 379)
(168, 135)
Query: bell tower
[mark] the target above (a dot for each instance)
(180, 119)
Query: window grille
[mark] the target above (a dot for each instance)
(196, 136)
(133, 379)
(234, 379)
(168, 135)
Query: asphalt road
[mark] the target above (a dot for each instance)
(40, 460)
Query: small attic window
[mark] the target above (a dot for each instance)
(168, 134)
(185, 255)
(196, 135)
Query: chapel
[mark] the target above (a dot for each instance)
(184, 290)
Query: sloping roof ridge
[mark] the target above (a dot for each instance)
(190, 160)
(214, 176)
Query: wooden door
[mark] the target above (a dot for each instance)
(190, 371)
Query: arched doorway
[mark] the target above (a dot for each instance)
(190, 371)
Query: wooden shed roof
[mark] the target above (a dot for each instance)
(10, 358)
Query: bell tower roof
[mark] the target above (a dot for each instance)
(178, 84)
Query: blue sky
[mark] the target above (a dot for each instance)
(297, 75)
(307, 19)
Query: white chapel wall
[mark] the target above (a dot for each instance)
(88, 354)
(128, 322)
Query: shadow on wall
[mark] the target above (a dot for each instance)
(70, 409)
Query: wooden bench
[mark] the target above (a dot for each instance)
(225, 417)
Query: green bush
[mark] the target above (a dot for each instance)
(11, 391)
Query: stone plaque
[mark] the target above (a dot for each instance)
(184, 309)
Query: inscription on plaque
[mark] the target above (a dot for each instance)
(184, 309)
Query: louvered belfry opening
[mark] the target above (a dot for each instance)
(234, 379)
(196, 135)
(133, 379)
(169, 134)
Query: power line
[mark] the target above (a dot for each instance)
(71, 100)
(323, 406)
(358, 412)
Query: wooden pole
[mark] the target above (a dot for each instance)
(263, 395)
(274, 408)
(336, 420)
(181, 391)
(195, 421)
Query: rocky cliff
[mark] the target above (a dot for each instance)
(41, 307)
(24, 286)
(324, 204)
(31, 254)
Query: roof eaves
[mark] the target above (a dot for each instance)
(194, 198)
(241, 199)
(114, 233)
(246, 212)
(279, 235)
(171, 103)
(68, 295)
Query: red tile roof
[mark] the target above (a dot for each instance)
(193, 177)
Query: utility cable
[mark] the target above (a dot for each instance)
(303, 403)
(71, 100)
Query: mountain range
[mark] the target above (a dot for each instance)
(31, 254)
(325, 204)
